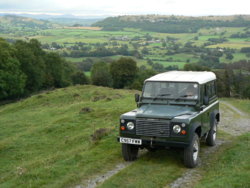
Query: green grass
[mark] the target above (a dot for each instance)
(157, 52)
(74, 59)
(87, 73)
(166, 64)
(45, 141)
(234, 45)
(230, 167)
(237, 57)
(155, 169)
(242, 104)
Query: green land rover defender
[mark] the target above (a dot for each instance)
(176, 110)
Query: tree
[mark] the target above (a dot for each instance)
(12, 79)
(100, 75)
(141, 75)
(58, 71)
(30, 56)
(229, 56)
(195, 67)
(246, 92)
(164, 44)
(79, 78)
(158, 67)
(227, 83)
(144, 50)
(123, 72)
(245, 50)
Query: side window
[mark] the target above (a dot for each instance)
(211, 89)
(202, 93)
(207, 91)
(215, 88)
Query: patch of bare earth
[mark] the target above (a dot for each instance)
(99, 179)
(234, 122)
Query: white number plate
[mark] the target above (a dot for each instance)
(130, 141)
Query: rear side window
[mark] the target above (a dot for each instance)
(211, 89)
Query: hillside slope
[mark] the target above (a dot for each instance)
(172, 24)
(46, 139)
(67, 137)
(12, 23)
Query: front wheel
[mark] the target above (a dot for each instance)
(211, 137)
(191, 153)
(129, 152)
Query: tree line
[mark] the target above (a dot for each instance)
(122, 73)
(232, 79)
(26, 68)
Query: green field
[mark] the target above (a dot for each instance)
(47, 140)
(68, 37)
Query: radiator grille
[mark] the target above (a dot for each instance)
(152, 127)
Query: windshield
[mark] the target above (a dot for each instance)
(170, 90)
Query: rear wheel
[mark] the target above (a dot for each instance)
(191, 153)
(129, 152)
(211, 137)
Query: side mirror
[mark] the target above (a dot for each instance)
(137, 97)
(202, 107)
(205, 100)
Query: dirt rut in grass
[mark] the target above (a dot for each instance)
(233, 121)
(92, 183)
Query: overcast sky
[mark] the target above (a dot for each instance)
(121, 7)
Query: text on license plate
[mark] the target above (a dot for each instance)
(130, 141)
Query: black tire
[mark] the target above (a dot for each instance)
(129, 152)
(211, 137)
(191, 153)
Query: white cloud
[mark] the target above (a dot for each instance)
(119, 7)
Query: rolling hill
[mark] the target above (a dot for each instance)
(172, 24)
(12, 23)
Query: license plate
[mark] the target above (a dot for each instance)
(130, 141)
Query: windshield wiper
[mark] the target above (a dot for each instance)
(161, 95)
(180, 97)
(157, 96)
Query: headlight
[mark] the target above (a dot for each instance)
(130, 125)
(176, 129)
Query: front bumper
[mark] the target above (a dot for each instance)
(154, 142)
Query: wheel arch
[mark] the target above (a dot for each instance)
(215, 115)
(195, 128)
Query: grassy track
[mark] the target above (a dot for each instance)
(152, 170)
(230, 167)
(241, 104)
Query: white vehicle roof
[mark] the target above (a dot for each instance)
(184, 76)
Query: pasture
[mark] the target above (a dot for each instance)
(136, 39)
